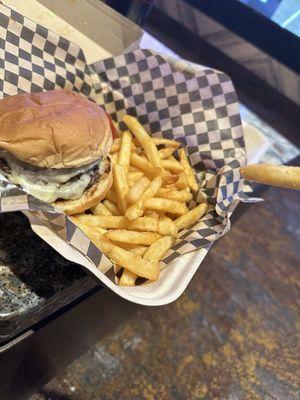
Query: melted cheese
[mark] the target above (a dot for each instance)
(49, 184)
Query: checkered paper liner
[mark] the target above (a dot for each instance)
(172, 99)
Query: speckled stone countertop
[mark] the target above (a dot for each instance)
(35, 281)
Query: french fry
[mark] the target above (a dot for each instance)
(137, 249)
(134, 263)
(150, 213)
(115, 146)
(128, 278)
(167, 227)
(144, 165)
(188, 170)
(137, 189)
(136, 209)
(158, 249)
(182, 182)
(137, 129)
(173, 194)
(100, 209)
(114, 158)
(124, 153)
(119, 222)
(111, 195)
(132, 169)
(172, 165)
(186, 220)
(120, 185)
(86, 219)
(134, 176)
(166, 142)
(89, 230)
(113, 208)
(169, 179)
(166, 205)
(104, 244)
(145, 140)
(167, 152)
(123, 235)
(120, 181)
(152, 154)
(274, 175)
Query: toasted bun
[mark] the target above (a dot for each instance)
(91, 196)
(55, 129)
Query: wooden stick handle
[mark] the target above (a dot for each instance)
(274, 175)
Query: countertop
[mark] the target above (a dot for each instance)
(35, 281)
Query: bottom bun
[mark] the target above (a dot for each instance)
(91, 196)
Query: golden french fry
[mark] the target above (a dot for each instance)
(152, 154)
(172, 165)
(166, 152)
(137, 129)
(166, 205)
(166, 142)
(100, 209)
(112, 207)
(111, 195)
(182, 182)
(119, 222)
(104, 244)
(173, 194)
(167, 227)
(132, 169)
(137, 189)
(152, 188)
(134, 263)
(124, 153)
(120, 181)
(115, 146)
(101, 231)
(143, 224)
(190, 173)
(186, 220)
(274, 175)
(136, 209)
(134, 176)
(145, 140)
(114, 158)
(120, 185)
(128, 278)
(158, 249)
(86, 219)
(123, 235)
(150, 213)
(144, 165)
(169, 179)
(137, 249)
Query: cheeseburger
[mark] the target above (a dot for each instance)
(55, 145)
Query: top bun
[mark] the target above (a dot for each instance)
(55, 129)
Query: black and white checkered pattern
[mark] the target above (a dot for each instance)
(34, 59)
(195, 105)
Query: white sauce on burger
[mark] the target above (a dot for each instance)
(49, 184)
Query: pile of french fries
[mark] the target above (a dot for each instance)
(147, 206)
